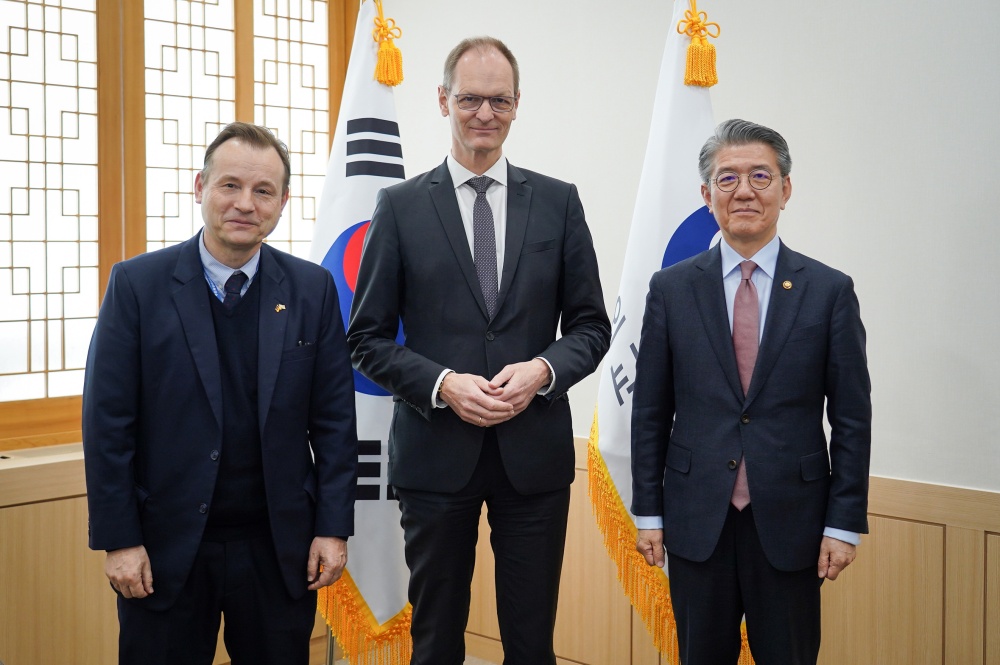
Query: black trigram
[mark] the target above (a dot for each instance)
(373, 148)
(370, 484)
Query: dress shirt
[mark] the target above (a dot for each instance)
(766, 259)
(496, 197)
(217, 273)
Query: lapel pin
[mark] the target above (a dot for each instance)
(787, 285)
(279, 307)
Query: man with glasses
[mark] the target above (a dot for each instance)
(742, 347)
(484, 263)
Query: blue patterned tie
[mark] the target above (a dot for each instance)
(484, 242)
(233, 287)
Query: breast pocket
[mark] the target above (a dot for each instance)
(298, 353)
(540, 246)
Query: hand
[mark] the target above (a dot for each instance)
(474, 399)
(834, 556)
(649, 543)
(329, 552)
(520, 382)
(129, 572)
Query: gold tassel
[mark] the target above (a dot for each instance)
(700, 67)
(361, 638)
(389, 68)
(645, 586)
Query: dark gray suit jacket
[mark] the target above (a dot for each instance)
(690, 418)
(152, 412)
(417, 266)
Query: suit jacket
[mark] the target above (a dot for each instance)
(691, 421)
(417, 266)
(152, 412)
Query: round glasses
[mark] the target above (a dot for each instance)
(473, 102)
(728, 181)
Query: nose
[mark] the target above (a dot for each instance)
(743, 189)
(485, 112)
(244, 201)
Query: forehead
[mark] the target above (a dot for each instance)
(234, 158)
(746, 157)
(483, 71)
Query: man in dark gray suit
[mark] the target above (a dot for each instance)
(484, 263)
(741, 348)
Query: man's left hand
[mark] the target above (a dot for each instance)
(329, 552)
(521, 382)
(834, 556)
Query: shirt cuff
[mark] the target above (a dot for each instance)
(436, 402)
(845, 536)
(545, 390)
(649, 521)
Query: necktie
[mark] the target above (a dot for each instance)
(746, 333)
(233, 287)
(484, 242)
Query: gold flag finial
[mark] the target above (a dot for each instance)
(389, 68)
(700, 69)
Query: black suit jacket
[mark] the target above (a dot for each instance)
(690, 418)
(152, 412)
(417, 266)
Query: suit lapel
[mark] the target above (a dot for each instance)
(781, 313)
(518, 204)
(442, 191)
(274, 298)
(711, 298)
(195, 311)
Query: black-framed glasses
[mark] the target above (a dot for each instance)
(499, 104)
(728, 181)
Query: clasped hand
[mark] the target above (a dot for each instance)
(484, 403)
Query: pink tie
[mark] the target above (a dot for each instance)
(746, 333)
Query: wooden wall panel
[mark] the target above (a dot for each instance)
(991, 621)
(964, 595)
(887, 607)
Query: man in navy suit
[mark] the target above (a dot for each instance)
(219, 430)
(742, 347)
(484, 263)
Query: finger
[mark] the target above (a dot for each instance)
(147, 579)
(312, 566)
(502, 377)
(824, 564)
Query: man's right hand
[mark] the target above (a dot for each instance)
(475, 402)
(649, 543)
(129, 571)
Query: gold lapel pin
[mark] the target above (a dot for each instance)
(786, 285)
(279, 307)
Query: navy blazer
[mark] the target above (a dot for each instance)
(417, 266)
(152, 412)
(690, 419)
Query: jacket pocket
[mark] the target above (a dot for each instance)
(815, 466)
(532, 247)
(678, 458)
(805, 332)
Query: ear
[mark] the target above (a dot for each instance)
(443, 101)
(706, 193)
(517, 100)
(786, 191)
(284, 199)
(199, 185)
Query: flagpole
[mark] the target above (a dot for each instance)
(331, 648)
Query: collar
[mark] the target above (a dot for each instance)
(219, 272)
(460, 174)
(766, 257)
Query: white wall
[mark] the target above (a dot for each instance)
(889, 107)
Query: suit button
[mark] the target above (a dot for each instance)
(214, 455)
(745, 419)
(732, 464)
(203, 508)
(490, 335)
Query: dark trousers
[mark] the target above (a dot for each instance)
(528, 535)
(710, 598)
(238, 579)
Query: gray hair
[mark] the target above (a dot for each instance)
(481, 44)
(742, 132)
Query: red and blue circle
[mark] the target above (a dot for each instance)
(343, 260)
(693, 236)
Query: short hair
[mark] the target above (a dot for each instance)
(481, 44)
(742, 132)
(255, 136)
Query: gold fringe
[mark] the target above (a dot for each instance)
(362, 639)
(389, 67)
(646, 586)
(700, 66)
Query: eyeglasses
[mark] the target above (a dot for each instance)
(728, 181)
(473, 102)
